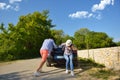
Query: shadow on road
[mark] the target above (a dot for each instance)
(57, 73)
(16, 75)
(54, 74)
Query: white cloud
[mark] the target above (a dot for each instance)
(12, 5)
(112, 2)
(81, 14)
(8, 6)
(93, 14)
(98, 16)
(14, 1)
(85, 14)
(2, 6)
(102, 5)
(16, 8)
(90, 15)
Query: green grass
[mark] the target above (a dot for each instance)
(96, 70)
(104, 74)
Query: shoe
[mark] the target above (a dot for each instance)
(66, 71)
(80, 69)
(36, 73)
(72, 73)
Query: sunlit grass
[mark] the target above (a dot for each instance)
(102, 73)
(96, 70)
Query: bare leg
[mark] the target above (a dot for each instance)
(44, 55)
(41, 65)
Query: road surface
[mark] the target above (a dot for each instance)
(24, 69)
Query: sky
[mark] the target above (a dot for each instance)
(68, 15)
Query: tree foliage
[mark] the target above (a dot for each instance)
(57, 35)
(118, 43)
(25, 38)
(60, 37)
(80, 38)
(86, 39)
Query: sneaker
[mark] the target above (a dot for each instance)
(36, 73)
(72, 73)
(66, 71)
(80, 69)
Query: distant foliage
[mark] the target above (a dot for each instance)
(86, 39)
(118, 43)
(59, 36)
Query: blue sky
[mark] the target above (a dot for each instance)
(68, 15)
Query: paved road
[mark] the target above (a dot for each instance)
(24, 69)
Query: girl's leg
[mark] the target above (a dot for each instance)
(67, 61)
(71, 62)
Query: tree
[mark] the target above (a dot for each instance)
(5, 44)
(86, 39)
(32, 29)
(25, 38)
(118, 43)
(58, 36)
(99, 40)
(80, 38)
(66, 37)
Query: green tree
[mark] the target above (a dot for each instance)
(86, 39)
(66, 37)
(80, 38)
(32, 30)
(57, 35)
(60, 37)
(118, 43)
(25, 38)
(5, 44)
(99, 40)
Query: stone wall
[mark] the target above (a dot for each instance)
(110, 57)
